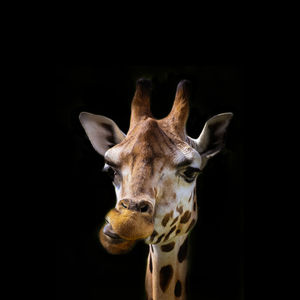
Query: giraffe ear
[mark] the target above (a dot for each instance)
(211, 140)
(102, 132)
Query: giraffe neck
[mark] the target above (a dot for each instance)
(167, 270)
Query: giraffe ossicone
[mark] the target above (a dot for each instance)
(154, 168)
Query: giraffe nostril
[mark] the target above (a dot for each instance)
(144, 208)
(123, 204)
(139, 206)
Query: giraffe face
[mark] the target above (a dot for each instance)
(154, 175)
(154, 169)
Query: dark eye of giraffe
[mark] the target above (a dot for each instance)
(110, 171)
(190, 174)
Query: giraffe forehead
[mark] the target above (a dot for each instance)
(149, 145)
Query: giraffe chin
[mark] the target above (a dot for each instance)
(130, 225)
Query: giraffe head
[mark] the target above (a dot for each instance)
(153, 168)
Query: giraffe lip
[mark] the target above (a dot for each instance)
(107, 230)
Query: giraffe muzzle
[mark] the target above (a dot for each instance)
(142, 206)
(131, 221)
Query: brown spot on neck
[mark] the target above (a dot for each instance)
(153, 235)
(165, 276)
(179, 209)
(167, 247)
(185, 218)
(169, 233)
(166, 218)
(159, 239)
(178, 289)
(191, 225)
(174, 221)
(183, 250)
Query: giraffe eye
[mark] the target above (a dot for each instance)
(110, 171)
(190, 174)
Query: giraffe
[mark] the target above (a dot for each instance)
(154, 168)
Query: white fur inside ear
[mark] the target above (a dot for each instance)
(211, 139)
(102, 132)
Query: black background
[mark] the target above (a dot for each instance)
(84, 194)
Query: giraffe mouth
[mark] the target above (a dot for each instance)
(107, 230)
(112, 242)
